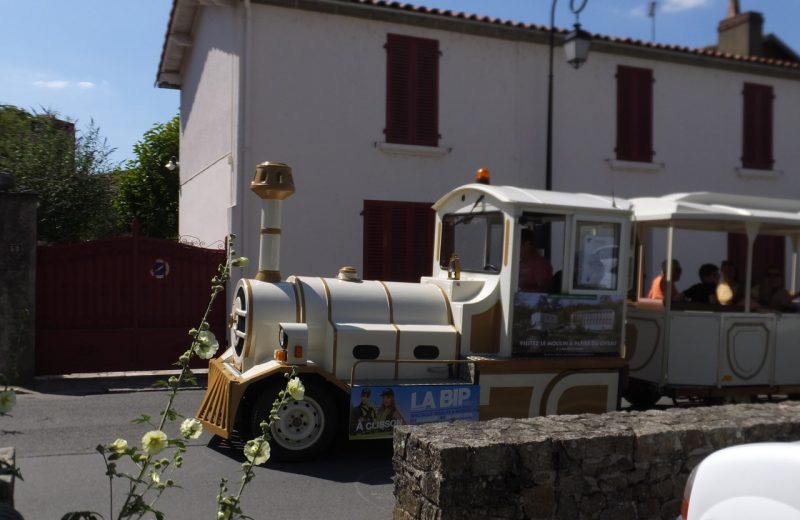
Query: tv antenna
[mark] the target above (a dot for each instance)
(651, 13)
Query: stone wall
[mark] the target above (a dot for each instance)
(17, 285)
(619, 465)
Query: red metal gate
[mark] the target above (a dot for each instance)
(121, 304)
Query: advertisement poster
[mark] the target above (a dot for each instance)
(375, 410)
(566, 325)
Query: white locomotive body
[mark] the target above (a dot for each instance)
(461, 343)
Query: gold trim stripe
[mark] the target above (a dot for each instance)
(562, 375)
(296, 302)
(330, 320)
(270, 231)
(303, 313)
(447, 304)
(269, 276)
(396, 330)
(248, 341)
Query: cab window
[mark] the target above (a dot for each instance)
(596, 255)
(477, 239)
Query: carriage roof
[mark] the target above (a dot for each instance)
(719, 212)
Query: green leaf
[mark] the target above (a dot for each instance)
(142, 419)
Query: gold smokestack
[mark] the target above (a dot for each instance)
(273, 183)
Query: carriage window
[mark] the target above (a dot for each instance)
(476, 238)
(596, 256)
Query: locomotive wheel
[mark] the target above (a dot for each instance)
(305, 428)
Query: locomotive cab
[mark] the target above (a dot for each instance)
(522, 315)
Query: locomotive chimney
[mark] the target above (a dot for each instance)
(273, 183)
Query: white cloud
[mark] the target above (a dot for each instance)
(54, 84)
(60, 84)
(674, 6)
(666, 6)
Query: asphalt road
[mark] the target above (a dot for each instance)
(56, 428)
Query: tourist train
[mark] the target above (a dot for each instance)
(534, 307)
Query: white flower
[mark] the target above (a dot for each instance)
(155, 478)
(118, 446)
(8, 398)
(296, 389)
(191, 428)
(154, 441)
(257, 451)
(206, 344)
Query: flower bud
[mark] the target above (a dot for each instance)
(242, 261)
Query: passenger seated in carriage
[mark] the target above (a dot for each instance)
(706, 290)
(659, 286)
(771, 294)
(728, 289)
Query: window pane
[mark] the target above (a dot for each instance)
(477, 239)
(596, 255)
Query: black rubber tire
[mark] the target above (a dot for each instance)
(641, 396)
(314, 421)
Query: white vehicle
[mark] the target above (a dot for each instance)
(744, 483)
(459, 344)
(707, 350)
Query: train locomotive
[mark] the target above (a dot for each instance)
(462, 343)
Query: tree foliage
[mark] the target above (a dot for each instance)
(148, 191)
(71, 172)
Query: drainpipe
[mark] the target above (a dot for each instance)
(243, 133)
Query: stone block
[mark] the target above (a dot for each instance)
(538, 502)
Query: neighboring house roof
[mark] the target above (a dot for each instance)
(178, 35)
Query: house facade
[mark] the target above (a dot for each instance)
(380, 108)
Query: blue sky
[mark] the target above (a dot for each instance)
(97, 59)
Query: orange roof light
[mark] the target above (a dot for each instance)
(483, 176)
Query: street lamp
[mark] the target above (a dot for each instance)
(172, 164)
(576, 48)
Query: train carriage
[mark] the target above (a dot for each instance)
(710, 350)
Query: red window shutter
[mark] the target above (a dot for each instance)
(426, 109)
(757, 127)
(398, 91)
(634, 114)
(398, 240)
(412, 90)
(768, 252)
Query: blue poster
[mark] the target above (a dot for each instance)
(376, 410)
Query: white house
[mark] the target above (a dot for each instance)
(381, 107)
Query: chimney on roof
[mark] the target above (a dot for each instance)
(741, 33)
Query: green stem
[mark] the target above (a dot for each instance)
(224, 275)
(132, 488)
